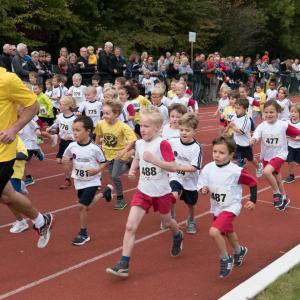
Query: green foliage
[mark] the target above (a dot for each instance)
(230, 26)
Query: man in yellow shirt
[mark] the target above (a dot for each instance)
(13, 93)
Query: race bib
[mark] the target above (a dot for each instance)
(221, 196)
(43, 110)
(230, 116)
(150, 172)
(271, 140)
(76, 93)
(64, 127)
(91, 112)
(80, 170)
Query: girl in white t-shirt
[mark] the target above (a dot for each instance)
(293, 145)
(284, 102)
(273, 136)
(128, 107)
(88, 161)
(222, 104)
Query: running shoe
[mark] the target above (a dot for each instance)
(121, 269)
(80, 239)
(67, 184)
(285, 204)
(45, 231)
(19, 226)
(29, 180)
(278, 200)
(238, 258)
(290, 179)
(107, 192)
(191, 227)
(120, 204)
(226, 266)
(177, 244)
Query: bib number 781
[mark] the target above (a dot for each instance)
(81, 173)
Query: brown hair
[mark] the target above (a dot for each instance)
(115, 105)
(244, 102)
(273, 103)
(190, 120)
(180, 108)
(225, 140)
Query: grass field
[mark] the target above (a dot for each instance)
(287, 287)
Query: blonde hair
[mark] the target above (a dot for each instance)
(91, 89)
(110, 93)
(153, 114)
(296, 106)
(70, 101)
(77, 76)
(285, 90)
(115, 105)
(181, 84)
(158, 90)
(190, 120)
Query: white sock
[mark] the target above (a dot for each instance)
(39, 221)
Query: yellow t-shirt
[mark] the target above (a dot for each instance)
(13, 92)
(229, 113)
(260, 97)
(139, 103)
(115, 137)
(92, 60)
(19, 165)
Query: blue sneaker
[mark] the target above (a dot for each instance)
(40, 154)
(29, 180)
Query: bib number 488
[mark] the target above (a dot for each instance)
(146, 171)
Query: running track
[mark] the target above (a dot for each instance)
(63, 271)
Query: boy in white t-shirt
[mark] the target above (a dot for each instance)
(171, 130)
(271, 92)
(188, 154)
(148, 82)
(154, 158)
(156, 97)
(77, 91)
(223, 181)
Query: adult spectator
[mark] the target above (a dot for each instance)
(106, 65)
(133, 68)
(73, 67)
(160, 63)
(13, 50)
(92, 57)
(150, 66)
(185, 69)
(200, 80)
(295, 76)
(14, 93)
(62, 61)
(119, 61)
(167, 59)
(36, 65)
(6, 57)
(19, 65)
(172, 71)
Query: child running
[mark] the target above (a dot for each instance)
(293, 145)
(274, 150)
(222, 104)
(154, 158)
(188, 156)
(223, 180)
(88, 161)
(171, 130)
(241, 126)
(117, 139)
(285, 103)
(229, 112)
(77, 90)
(63, 123)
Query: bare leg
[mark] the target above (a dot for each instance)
(215, 234)
(268, 172)
(233, 240)
(135, 216)
(169, 222)
(279, 183)
(83, 212)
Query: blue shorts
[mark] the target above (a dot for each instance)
(16, 183)
(87, 195)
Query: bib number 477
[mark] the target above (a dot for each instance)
(272, 141)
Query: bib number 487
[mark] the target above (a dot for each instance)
(220, 198)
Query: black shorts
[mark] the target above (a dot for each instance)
(63, 145)
(244, 152)
(189, 197)
(31, 152)
(294, 155)
(87, 195)
(49, 121)
(6, 171)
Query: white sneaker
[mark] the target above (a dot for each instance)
(259, 170)
(19, 226)
(54, 140)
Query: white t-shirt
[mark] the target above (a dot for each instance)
(153, 180)
(188, 155)
(273, 139)
(244, 124)
(292, 143)
(29, 136)
(56, 93)
(64, 91)
(250, 108)
(85, 157)
(125, 111)
(223, 102)
(183, 100)
(92, 110)
(166, 101)
(77, 92)
(99, 96)
(271, 94)
(149, 83)
(64, 124)
(169, 133)
(225, 191)
(285, 105)
(165, 112)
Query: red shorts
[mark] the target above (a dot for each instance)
(223, 222)
(163, 203)
(275, 162)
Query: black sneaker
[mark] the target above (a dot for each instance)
(278, 200)
(226, 266)
(289, 179)
(177, 245)
(286, 202)
(238, 258)
(120, 269)
(107, 193)
(120, 204)
(45, 231)
(80, 239)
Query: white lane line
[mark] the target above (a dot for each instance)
(271, 203)
(84, 263)
(48, 177)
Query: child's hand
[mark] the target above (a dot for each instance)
(92, 172)
(68, 137)
(249, 205)
(205, 190)
(252, 142)
(148, 157)
(131, 174)
(215, 114)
